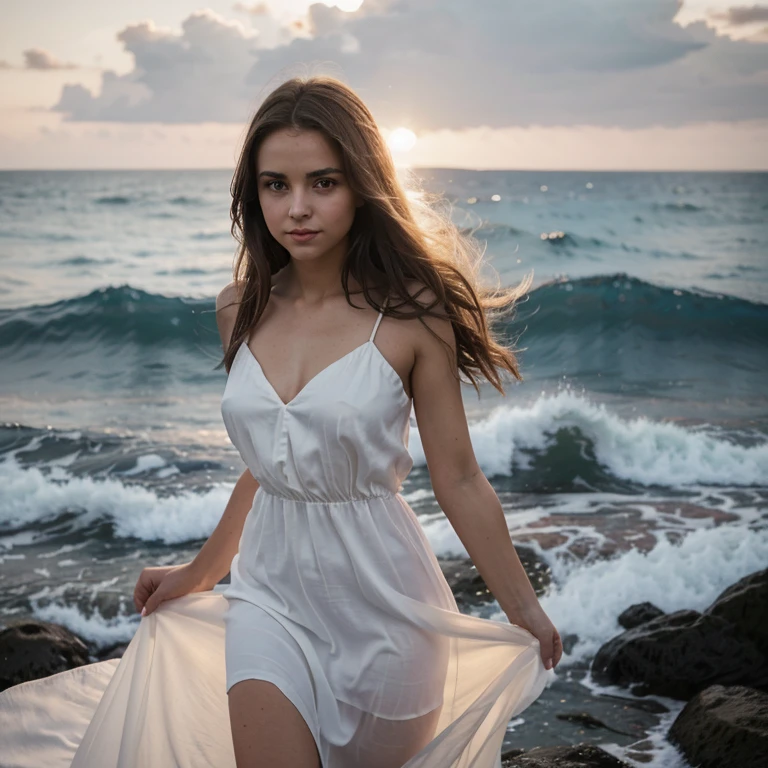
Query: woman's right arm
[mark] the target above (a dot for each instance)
(213, 560)
(211, 564)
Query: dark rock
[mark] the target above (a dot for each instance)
(639, 614)
(569, 639)
(680, 654)
(724, 727)
(469, 588)
(33, 649)
(466, 583)
(578, 756)
(589, 721)
(112, 652)
(644, 705)
(745, 604)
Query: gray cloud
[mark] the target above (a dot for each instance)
(449, 64)
(197, 76)
(37, 58)
(742, 14)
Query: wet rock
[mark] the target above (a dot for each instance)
(589, 721)
(32, 649)
(683, 653)
(723, 727)
(678, 655)
(745, 605)
(466, 583)
(469, 588)
(111, 652)
(578, 756)
(643, 705)
(639, 614)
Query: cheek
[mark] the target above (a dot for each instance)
(270, 211)
(342, 209)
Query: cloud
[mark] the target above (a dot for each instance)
(449, 64)
(742, 14)
(37, 58)
(257, 9)
(193, 77)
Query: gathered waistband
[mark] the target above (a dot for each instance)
(324, 502)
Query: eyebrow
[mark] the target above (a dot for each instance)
(310, 175)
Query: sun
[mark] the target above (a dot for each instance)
(401, 140)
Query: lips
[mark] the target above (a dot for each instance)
(303, 237)
(303, 232)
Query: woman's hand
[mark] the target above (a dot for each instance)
(538, 624)
(156, 585)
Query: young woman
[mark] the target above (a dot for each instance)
(337, 643)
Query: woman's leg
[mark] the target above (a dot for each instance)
(382, 743)
(267, 729)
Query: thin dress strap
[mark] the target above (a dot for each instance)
(378, 320)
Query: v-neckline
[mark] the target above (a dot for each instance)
(277, 397)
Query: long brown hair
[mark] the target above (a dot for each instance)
(396, 238)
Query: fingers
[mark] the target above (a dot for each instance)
(548, 657)
(557, 649)
(552, 658)
(145, 586)
(140, 595)
(153, 601)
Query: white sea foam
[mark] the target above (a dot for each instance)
(29, 495)
(144, 464)
(587, 598)
(639, 450)
(95, 627)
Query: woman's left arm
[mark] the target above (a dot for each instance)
(462, 490)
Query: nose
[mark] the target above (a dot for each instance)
(299, 208)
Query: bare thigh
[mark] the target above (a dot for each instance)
(381, 743)
(267, 729)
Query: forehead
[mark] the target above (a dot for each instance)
(300, 151)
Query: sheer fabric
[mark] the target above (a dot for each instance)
(336, 597)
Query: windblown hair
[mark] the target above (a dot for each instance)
(397, 238)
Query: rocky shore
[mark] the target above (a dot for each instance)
(716, 661)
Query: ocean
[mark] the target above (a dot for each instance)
(633, 457)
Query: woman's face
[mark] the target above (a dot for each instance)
(302, 186)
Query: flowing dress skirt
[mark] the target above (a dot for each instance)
(375, 642)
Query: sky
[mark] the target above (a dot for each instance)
(485, 84)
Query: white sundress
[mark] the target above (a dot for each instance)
(336, 597)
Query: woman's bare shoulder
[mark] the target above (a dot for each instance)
(425, 333)
(229, 296)
(426, 298)
(227, 303)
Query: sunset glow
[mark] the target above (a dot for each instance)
(401, 140)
